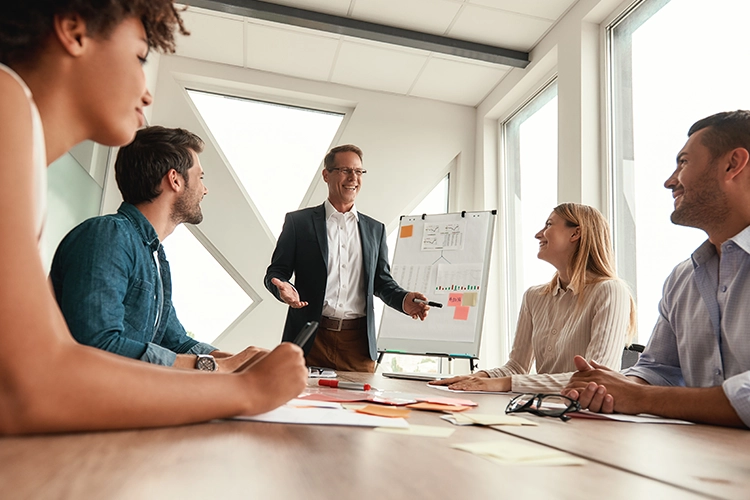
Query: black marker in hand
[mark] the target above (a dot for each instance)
(428, 302)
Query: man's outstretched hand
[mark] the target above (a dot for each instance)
(288, 294)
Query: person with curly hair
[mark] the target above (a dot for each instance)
(71, 70)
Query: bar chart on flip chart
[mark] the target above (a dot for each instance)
(446, 257)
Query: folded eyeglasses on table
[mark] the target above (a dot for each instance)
(545, 405)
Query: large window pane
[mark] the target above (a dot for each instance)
(206, 298)
(531, 169)
(272, 148)
(672, 64)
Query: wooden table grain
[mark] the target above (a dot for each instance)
(238, 459)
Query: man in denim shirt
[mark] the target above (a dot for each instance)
(110, 274)
(697, 364)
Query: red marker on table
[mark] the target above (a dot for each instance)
(344, 385)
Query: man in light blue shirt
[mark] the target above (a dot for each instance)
(697, 364)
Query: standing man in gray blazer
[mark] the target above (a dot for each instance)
(339, 259)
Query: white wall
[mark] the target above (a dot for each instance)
(409, 145)
(573, 52)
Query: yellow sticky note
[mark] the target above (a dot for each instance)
(406, 231)
(384, 411)
(353, 406)
(469, 299)
(419, 430)
(511, 453)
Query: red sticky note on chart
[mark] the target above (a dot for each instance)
(454, 299)
(462, 312)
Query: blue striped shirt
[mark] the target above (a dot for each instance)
(702, 336)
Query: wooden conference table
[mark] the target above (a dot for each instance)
(238, 459)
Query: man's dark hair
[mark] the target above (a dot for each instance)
(26, 25)
(141, 165)
(328, 161)
(724, 131)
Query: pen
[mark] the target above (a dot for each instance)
(344, 385)
(428, 302)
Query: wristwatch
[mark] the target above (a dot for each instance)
(206, 362)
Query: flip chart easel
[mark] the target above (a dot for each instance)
(446, 257)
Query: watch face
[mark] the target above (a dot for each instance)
(206, 363)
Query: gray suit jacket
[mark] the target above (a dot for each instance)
(302, 251)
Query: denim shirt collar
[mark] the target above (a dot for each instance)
(141, 224)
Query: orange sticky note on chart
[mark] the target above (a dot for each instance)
(454, 299)
(406, 231)
(462, 312)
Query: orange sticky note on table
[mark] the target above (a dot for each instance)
(462, 312)
(454, 299)
(384, 411)
(406, 231)
(436, 407)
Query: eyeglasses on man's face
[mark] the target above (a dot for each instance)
(348, 171)
(545, 405)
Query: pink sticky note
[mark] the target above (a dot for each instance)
(462, 312)
(454, 299)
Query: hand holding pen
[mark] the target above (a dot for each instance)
(416, 305)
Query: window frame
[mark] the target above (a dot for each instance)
(510, 158)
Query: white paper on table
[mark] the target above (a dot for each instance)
(445, 388)
(315, 372)
(311, 403)
(487, 420)
(643, 418)
(325, 416)
(452, 419)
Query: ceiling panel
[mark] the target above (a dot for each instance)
(548, 9)
(429, 16)
(494, 27)
(375, 67)
(290, 51)
(456, 81)
(335, 7)
(212, 38)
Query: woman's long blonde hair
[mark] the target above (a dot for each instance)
(593, 259)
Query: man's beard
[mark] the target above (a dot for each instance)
(703, 207)
(186, 210)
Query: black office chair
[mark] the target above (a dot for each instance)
(630, 355)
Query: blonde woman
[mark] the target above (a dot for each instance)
(71, 70)
(585, 310)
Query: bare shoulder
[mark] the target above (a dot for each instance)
(15, 124)
(13, 100)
